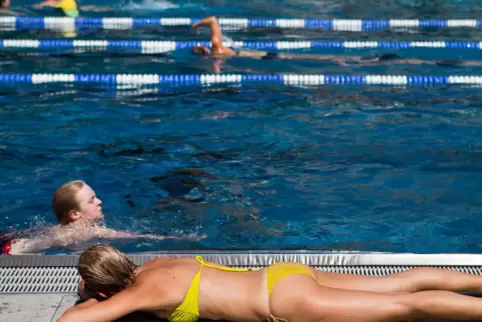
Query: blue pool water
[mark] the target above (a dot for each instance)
(341, 167)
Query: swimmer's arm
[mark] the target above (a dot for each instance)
(110, 233)
(47, 3)
(216, 34)
(16, 233)
(119, 305)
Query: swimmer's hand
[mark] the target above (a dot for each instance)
(205, 22)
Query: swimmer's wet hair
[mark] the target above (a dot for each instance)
(65, 200)
(106, 270)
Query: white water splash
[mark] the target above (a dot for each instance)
(228, 41)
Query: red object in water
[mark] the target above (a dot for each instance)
(6, 247)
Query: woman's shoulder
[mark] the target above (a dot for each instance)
(168, 283)
(165, 267)
(167, 263)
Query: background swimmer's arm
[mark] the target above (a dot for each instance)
(216, 36)
(127, 301)
(47, 3)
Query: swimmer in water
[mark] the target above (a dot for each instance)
(220, 51)
(79, 214)
(70, 8)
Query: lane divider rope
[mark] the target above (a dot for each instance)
(238, 79)
(16, 23)
(153, 46)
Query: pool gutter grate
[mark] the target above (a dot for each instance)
(32, 274)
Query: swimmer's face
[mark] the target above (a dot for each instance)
(201, 50)
(90, 207)
(5, 3)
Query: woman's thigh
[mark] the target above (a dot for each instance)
(300, 298)
(382, 284)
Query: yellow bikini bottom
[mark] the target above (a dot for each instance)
(279, 271)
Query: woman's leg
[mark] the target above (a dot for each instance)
(299, 298)
(414, 280)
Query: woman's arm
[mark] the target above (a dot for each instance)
(129, 300)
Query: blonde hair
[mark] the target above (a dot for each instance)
(105, 269)
(65, 200)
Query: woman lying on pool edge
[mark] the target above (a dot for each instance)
(185, 289)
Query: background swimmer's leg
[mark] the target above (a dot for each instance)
(449, 63)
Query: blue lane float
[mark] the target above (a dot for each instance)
(17, 23)
(156, 46)
(237, 79)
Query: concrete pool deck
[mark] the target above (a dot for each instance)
(34, 307)
(47, 308)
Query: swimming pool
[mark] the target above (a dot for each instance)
(368, 168)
